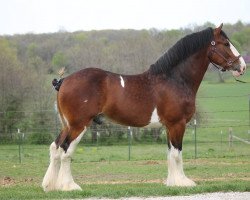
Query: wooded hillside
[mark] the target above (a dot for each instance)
(29, 62)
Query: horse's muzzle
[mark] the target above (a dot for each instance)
(239, 70)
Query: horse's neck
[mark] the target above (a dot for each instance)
(194, 69)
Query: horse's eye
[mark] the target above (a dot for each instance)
(227, 44)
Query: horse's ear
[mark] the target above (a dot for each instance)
(221, 25)
(218, 30)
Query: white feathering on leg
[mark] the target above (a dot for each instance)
(176, 176)
(50, 178)
(65, 180)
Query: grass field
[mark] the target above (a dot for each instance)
(104, 171)
(223, 106)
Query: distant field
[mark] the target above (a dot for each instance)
(224, 105)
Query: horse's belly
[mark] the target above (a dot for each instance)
(147, 119)
(134, 117)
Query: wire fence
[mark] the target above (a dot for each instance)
(205, 137)
(46, 122)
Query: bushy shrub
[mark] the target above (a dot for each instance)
(40, 138)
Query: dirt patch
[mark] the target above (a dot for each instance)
(9, 181)
(151, 162)
(162, 181)
(222, 179)
(211, 162)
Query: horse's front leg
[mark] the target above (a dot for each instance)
(176, 176)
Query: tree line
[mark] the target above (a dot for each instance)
(29, 62)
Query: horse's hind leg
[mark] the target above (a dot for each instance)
(50, 178)
(65, 180)
(58, 175)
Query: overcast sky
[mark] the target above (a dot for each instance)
(42, 16)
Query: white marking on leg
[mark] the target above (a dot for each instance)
(176, 176)
(122, 82)
(154, 120)
(50, 178)
(65, 119)
(65, 180)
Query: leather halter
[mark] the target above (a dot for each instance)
(214, 50)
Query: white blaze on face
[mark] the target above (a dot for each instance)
(242, 62)
(122, 82)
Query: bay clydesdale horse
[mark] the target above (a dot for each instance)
(164, 94)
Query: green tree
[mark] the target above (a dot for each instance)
(59, 60)
(12, 92)
(243, 39)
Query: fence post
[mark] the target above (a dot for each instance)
(221, 140)
(195, 139)
(249, 112)
(248, 117)
(230, 138)
(129, 141)
(19, 145)
(97, 138)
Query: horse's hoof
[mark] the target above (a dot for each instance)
(48, 187)
(184, 182)
(69, 187)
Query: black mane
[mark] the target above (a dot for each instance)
(184, 48)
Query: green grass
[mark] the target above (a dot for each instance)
(229, 96)
(121, 190)
(112, 177)
(227, 106)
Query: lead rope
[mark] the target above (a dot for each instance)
(224, 71)
(240, 80)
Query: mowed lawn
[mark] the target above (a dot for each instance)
(105, 171)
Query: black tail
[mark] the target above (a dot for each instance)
(57, 83)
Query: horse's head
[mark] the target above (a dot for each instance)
(223, 53)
